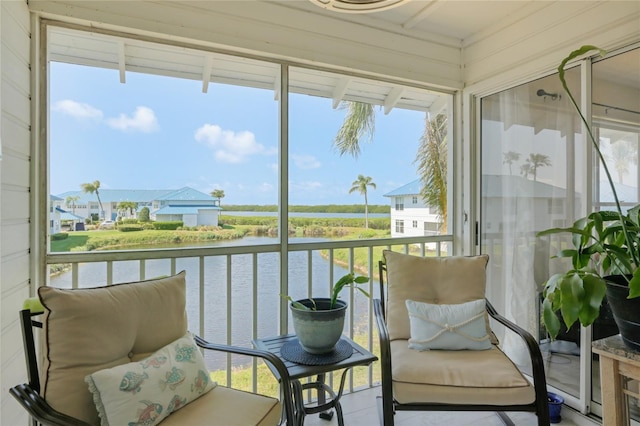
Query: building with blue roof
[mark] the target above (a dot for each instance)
(410, 217)
(548, 204)
(188, 205)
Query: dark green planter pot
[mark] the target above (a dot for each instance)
(318, 331)
(626, 312)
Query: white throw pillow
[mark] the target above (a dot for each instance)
(448, 327)
(147, 391)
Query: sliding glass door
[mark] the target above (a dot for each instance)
(615, 111)
(538, 171)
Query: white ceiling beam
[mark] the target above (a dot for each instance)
(339, 91)
(121, 61)
(426, 11)
(206, 73)
(276, 87)
(439, 105)
(392, 99)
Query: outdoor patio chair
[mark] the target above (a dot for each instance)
(438, 352)
(122, 353)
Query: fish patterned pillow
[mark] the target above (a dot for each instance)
(147, 391)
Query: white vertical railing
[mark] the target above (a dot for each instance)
(195, 261)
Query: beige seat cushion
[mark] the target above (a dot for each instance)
(435, 280)
(454, 377)
(88, 330)
(227, 407)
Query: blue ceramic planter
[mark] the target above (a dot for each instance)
(319, 330)
(555, 405)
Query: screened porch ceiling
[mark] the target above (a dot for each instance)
(452, 23)
(133, 55)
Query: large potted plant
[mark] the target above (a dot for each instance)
(318, 322)
(605, 257)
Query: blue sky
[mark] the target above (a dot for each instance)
(157, 132)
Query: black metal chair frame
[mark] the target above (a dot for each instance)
(389, 405)
(28, 394)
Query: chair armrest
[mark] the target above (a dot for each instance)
(537, 364)
(385, 353)
(382, 331)
(40, 410)
(283, 373)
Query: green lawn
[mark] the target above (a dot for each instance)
(105, 239)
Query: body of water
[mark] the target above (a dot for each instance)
(305, 214)
(242, 290)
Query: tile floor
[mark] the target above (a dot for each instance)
(360, 410)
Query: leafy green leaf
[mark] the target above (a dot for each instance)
(549, 318)
(297, 305)
(571, 293)
(552, 283)
(362, 279)
(594, 291)
(634, 285)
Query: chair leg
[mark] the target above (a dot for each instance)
(385, 411)
(505, 418)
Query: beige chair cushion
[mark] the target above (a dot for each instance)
(227, 407)
(91, 329)
(453, 377)
(435, 280)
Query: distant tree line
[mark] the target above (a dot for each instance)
(270, 221)
(328, 208)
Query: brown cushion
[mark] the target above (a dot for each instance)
(87, 330)
(454, 377)
(435, 280)
(227, 407)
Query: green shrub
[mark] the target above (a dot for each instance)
(59, 236)
(367, 234)
(144, 214)
(130, 228)
(167, 226)
(129, 221)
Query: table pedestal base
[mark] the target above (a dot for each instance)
(322, 406)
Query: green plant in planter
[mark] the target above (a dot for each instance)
(348, 280)
(604, 243)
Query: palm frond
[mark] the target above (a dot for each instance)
(358, 123)
(431, 159)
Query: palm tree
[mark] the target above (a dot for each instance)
(622, 152)
(91, 188)
(432, 164)
(131, 206)
(361, 185)
(360, 122)
(71, 201)
(218, 194)
(510, 157)
(537, 160)
(525, 170)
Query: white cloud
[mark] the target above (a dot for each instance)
(77, 109)
(305, 186)
(305, 162)
(230, 146)
(273, 167)
(266, 187)
(143, 120)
